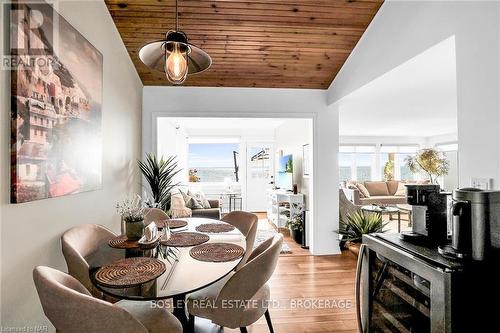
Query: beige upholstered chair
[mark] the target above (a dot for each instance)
(154, 214)
(247, 224)
(79, 242)
(346, 207)
(248, 285)
(70, 308)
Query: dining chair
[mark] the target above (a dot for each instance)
(78, 243)
(247, 224)
(71, 308)
(154, 214)
(247, 286)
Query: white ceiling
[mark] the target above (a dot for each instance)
(417, 98)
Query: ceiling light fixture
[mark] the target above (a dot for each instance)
(174, 55)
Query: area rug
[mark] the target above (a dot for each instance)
(263, 234)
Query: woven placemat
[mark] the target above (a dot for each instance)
(217, 252)
(185, 239)
(215, 228)
(121, 242)
(173, 224)
(130, 272)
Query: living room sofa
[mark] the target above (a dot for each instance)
(212, 213)
(380, 193)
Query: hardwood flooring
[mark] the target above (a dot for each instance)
(302, 277)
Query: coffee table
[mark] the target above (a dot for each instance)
(384, 210)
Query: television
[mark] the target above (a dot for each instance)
(284, 178)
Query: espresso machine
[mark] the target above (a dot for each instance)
(475, 225)
(429, 218)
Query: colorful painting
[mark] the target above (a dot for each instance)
(56, 106)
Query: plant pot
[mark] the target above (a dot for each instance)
(134, 230)
(296, 235)
(353, 248)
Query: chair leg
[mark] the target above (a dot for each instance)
(243, 330)
(191, 323)
(269, 323)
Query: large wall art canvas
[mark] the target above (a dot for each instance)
(56, 107)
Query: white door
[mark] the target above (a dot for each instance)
(259, 171)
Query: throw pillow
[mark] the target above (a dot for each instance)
(362, 190)
(190, 200)
(202, 199)
(401, 191)
(178, 207)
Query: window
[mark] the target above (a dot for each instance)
(364, 163)
(367, 162)
(212, 162)
(345, 162)
(356, 162)
(398, 154)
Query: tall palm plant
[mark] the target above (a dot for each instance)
(160, 173)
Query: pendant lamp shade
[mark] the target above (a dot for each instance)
(153, 56)
(174, 55)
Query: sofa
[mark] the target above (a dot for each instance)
(212, 213)
(380, 192)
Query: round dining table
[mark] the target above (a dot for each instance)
(182, 276)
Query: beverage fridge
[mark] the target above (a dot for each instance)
(403, 287)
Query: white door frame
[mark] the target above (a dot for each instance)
(279, 115)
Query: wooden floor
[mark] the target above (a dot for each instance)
(301, 276)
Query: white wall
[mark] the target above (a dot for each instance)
(250, 134)
(290, 137)
(382, 140)
(30, 232)
(172, 141)
(431, 141)
(404, 29)
(263, 103)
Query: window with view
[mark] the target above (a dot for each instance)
(345, 161)
(356, 162)
(397, 156)
(370, 163)
(212, 162)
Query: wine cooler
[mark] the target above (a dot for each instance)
(402, 287)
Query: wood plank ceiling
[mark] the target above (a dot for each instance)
(262, 43)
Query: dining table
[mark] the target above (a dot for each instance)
(183, 275)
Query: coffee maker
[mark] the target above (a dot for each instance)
(475, 226)
(429, 218)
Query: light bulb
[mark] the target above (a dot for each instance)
(176, 65)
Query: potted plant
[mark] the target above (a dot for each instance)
(431, 161)
(389, 170)
(295, 222)
(357, 224)
(133, 212)
(160, 173)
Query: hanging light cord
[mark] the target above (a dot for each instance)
(176, 16)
